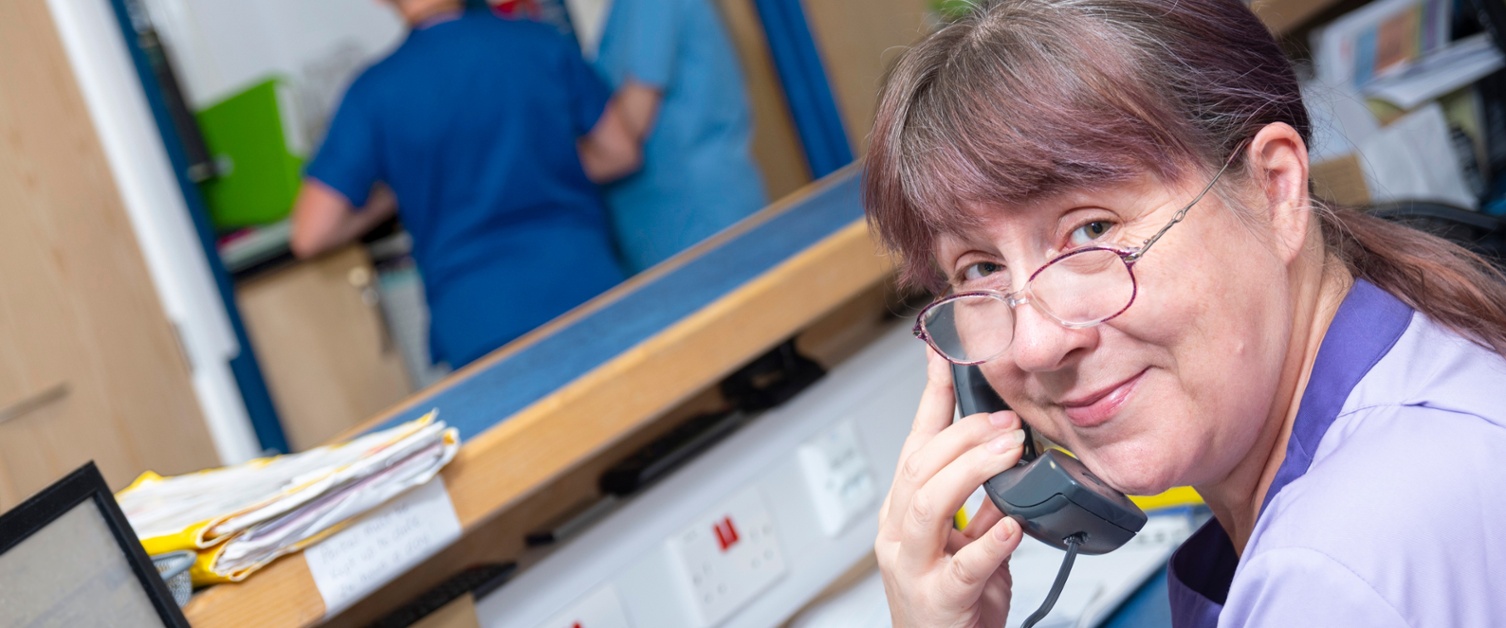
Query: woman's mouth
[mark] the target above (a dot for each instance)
(1097, 408)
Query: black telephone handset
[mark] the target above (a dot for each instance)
(1052, 495)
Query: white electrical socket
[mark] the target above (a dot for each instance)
(837, 474)
(727, 556)
(600, 609)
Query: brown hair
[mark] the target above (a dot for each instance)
(1026, 98)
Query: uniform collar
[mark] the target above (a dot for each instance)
(1367, 325)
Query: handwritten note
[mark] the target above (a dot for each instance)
(354, 562)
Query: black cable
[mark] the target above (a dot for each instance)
(1056, 588)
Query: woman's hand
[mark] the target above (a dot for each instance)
(935, 575)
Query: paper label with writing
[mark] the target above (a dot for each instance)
(354, 562)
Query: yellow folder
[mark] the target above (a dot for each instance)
(240, 518)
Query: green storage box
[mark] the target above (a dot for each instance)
(259, 177)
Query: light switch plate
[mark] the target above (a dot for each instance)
(727, 557)
(600, 609)
(841, 483)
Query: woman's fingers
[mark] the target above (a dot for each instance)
(926, 521)
(937, 407)
(983, 520)
(979, 524)
(941, 463)
(976, 562)
(921, 465)
(966, 434)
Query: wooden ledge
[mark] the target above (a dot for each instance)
(500, 467)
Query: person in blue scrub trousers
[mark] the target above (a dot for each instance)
(1112, 200)
(485, 135)
(672, 65)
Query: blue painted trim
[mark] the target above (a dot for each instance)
(244, 366)
(807, 89)
(498, 391)
(1148, 607)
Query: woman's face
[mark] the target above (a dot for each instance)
(1172, 392)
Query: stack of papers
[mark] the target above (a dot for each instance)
(1381, 37)
(242, 517)
(1445, 70)
(1388, 92)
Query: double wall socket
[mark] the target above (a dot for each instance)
(727, 557)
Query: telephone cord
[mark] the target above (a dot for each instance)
(1061, 581)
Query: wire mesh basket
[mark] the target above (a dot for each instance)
(174, 569)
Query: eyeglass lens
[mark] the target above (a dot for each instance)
(1076, 290)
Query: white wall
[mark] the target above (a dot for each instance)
(220, 47)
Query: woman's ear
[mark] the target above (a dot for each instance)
(1278, 163)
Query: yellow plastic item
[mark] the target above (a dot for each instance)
(1173, 498)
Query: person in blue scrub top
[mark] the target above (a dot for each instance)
(674, 68)
(1112, 198)
(485, 135)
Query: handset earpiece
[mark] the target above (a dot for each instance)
(1053, 496)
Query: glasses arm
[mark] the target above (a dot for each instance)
(1182, 213)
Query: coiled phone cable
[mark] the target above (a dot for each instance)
(1061, 581)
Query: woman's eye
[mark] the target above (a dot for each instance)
(1090, 232)
(977, 271)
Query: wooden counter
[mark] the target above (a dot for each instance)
(548, 403)
(539, 413)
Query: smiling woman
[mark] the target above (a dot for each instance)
(1283, 356)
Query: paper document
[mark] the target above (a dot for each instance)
(356, 561)
(242, 517)
(1413, 159)
(1446, 70)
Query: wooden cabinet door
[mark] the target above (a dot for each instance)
(776, 145)
(90, 368)
(323, 345)
(859, 40)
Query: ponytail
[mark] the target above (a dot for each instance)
(1446, 282)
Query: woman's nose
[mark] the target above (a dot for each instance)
(1042, 345)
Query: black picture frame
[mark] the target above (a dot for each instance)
(87, 485)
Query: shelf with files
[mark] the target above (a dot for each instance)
(597, 375)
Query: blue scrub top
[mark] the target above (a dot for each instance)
(473, 123)
(1387, 507)
(698, 174)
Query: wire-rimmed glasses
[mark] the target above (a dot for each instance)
(1077, 289)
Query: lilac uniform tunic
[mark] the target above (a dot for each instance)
(1390, 507)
